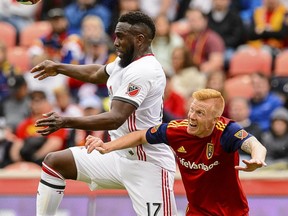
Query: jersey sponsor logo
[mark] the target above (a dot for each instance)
(154, 129)
(241, 134)
(209, 150)
(193, 165)
(133, 90)
(220, 125)
(181, 149)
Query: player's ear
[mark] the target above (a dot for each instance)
(140, 39)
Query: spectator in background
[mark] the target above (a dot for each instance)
(186, 78)
(65, 104)
(48, 85)
(239, 110)
(67, 107)
(122, 7)
(76, 12)
(30, 145)
(6, 140)
(269, 27)
(155, 7)
(6, 70)
(228, 24)
(206, 46)
(204, 5)
(98, 52)
(276, 139)
(17, 14)
(263, 101)
(246, 9)
(174, 106)
(48, 5)
(91, 105)
(216, 81)
(165, 42)
(51, 44)
(16, 107)
(97, 48)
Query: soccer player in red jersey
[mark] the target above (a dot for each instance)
(206, 147)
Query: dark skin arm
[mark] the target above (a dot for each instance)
(92, 73)
(120, 111)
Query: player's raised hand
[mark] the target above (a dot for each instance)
(44, 70)
(95, 143)
(50, 123)
(251, 165)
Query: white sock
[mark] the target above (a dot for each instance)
(50, 191)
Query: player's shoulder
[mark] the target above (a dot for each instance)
(178, 123)
(222, 123)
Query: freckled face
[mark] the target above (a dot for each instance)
(200, 118)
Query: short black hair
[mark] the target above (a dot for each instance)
(138, 17)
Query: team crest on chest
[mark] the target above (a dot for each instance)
(241, 134)
(209, 150)
(133, 90)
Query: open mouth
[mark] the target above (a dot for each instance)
(192, 124)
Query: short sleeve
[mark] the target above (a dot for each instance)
(157, 134)
(233, 137)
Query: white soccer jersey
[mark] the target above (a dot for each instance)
(142, 84)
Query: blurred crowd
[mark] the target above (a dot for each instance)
(195, 43)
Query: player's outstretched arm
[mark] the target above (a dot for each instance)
(87, 73)
(118, 114)
(258, 154)
(130, 140)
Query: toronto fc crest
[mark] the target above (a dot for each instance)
(209, 150)
(133, 90)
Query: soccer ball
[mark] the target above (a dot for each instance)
(28, 2)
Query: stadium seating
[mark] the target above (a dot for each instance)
(23, 166)
(34, 31)
(7, 34)
(281, 64)
(250, 60)
(19, 57)
(238, 86)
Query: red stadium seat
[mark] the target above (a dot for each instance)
(7, 34)
(34, 31)
(239, 86)
(281, 64)
(250, 60)
(19, 57)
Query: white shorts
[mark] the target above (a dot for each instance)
(150, 187)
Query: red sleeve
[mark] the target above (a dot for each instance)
(215, 43)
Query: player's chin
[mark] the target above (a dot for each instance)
(191, 131)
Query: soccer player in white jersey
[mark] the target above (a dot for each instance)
(136, 83)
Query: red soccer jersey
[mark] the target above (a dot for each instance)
(27, 129)
(207, 166)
